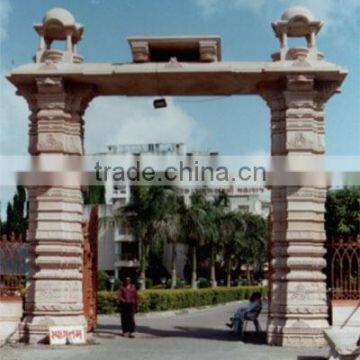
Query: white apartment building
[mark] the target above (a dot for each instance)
(118, 251)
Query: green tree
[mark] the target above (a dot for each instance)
(9, 225)
(342, 217)
(19, 219)
(95, 194)
(16, 218)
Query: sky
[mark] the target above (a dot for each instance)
(230, 125)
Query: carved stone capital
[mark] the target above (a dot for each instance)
(300, 82)
(325, 90)
(272, 93)
(56, 121)
(80, 96)
(297, 115)
(52, 85)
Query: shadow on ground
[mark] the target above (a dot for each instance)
(185, 332)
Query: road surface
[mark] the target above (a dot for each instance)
(200, 335)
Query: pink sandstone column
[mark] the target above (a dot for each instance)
(298, 311)
(54, 296)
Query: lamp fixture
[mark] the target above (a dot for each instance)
(160, 103)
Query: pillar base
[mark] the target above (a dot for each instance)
(306, 337)
(35, 329)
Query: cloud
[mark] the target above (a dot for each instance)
(5, 10)
(210, 7)
(13, 109)
(108, 120)
(10, 113)
(336, 14)
(14, 115)
(125, 120)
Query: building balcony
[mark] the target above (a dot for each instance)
(128, 259)
(127, 263)
(124, 238)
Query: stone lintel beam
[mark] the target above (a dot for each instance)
(151, 79)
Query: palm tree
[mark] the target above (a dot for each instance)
(232, 231)
(215, 211)
(169, 226)
(256, 236)
(194, 229)
(141, 216)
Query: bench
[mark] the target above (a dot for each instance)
(344, 343)
(255, 321)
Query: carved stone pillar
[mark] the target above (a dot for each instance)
(54, 296)
(298, 310)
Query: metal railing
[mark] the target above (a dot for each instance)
(13, 266)
(344, 268)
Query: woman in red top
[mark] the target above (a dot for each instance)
(128, 297)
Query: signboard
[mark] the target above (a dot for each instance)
(62, 335)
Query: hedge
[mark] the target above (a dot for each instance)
(162, 300)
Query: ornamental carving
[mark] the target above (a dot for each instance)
(299, 141)
(59, 307)
(325, 89)
(301, 324)
(307, 193)
(300, 82)
(49, 143)
(140, 51)
(299, 293)
(50, 85)
(208, 50)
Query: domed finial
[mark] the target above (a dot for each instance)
(58, 24)
(297, 13)
(297, 21)
(63, 16)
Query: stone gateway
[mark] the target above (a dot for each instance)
(296, 85)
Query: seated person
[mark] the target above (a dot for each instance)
(250, 312)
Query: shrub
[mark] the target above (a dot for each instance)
(149, 283)
(107, 302)
(103, 280)
(244, 282)
(161, 300)
(180, 284)
(203, 283)
(117, 283)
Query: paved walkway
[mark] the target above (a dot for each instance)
(200, 335)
